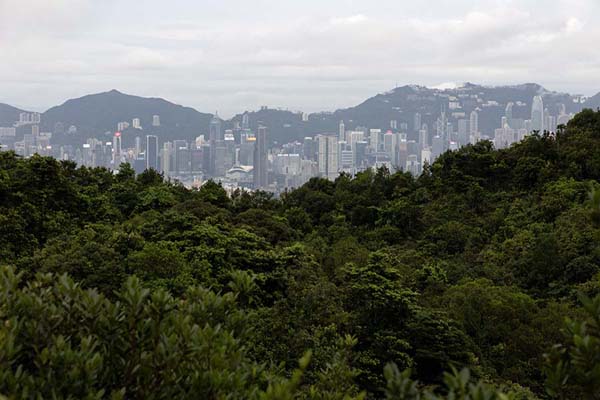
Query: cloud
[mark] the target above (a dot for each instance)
(312, 56)
(351, 20)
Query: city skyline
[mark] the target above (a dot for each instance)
(301, 56)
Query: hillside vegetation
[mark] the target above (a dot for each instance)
(124, 286)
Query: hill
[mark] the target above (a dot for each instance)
(401, 104)
(96, 114)
(8, 114)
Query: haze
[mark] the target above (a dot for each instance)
(303, 55)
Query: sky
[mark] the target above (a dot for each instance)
(308, 55)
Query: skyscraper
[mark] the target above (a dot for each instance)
(155, 120)
(117, 149)
(417, 122)
(215, 137)
(245, 121)
(328, 155)
(537, 114)
(152, 152)
(342, 132)
(474, 126)
(215, 128)
(260, 159)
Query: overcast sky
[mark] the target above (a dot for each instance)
(232, 55)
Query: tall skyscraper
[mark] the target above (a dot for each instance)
(328, 156)
(136, 123)
(117, 149)
(215, 137)
(155, 120)
(215, 128)
(537, 114)
(245, 121)
(152, 152)
(260, 159)
(474, 126)
(417, 122)
(138, 146)
(342, 132)
(375, 139)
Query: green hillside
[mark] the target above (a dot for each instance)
(124, 286)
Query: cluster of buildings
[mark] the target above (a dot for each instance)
(243, 158)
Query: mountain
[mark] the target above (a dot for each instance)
(593, 102)
(401, 104)
(8, 114)
(97, 115)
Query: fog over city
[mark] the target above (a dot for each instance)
(307, 55)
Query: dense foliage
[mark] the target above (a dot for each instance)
(124, 286)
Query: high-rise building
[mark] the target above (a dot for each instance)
(165, 158)
(328, 156)
(136, 123)
(215, 138)
(342, 132)
(537, 114)
(474, 126)
(463, 132)
(260, 159)
(117, 149)
(245, 121)
(138, 146)
(156, 120)
(375, 139)
(417, 122)
(152, 152)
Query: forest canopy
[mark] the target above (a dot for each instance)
(474, 280)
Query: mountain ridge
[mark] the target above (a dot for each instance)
(97, 114)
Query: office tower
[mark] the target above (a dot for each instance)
(309, 149)
(537, 114)
(230, 149)
(116, 149)
(165, 158)
(196, 159)
(417, 122)
(181, 156)
(423, 138)
(215, 128)
(413, 165)
(374, 139)
(260, 159)
(394, 124)
(245, 121)
(121, 126)
(342, 132)
(138, 146)
(155, 120)
(214, 139)
(328, 152)
(463, 132)
(359, 149)
(437, 147)
(246, 153)
(474, 126)
(152, 152)
(136, 123)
